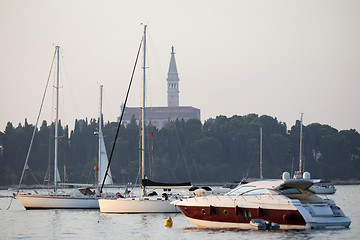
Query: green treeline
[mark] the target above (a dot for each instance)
(220, 150)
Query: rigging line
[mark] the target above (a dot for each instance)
(108, 109)
(152, 152)
(148, 93)
(48, 171)
(251, 160)
(287, 157)
(36, 179)
(139, 163)
(121, 117)
(89, 176)
(271, 152)
(37, 121)
(158, 62)
(10, 203)
(51, 133)
(64, 153)
(69, 89)
(182, 151)
(62, 97)
(149, 149)
(191, 156)
(80, 66)
(52, 123)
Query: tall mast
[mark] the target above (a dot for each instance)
(143, 118)
(261, 162)
(300, 152)
(56, 120)
(100, 133)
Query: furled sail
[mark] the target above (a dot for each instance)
(149, 183)
(104, 162)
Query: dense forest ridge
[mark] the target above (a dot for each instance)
(219, 150)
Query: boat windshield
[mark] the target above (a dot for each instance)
(304, 196)
(259, 191)
(288, 191)
(240, 190)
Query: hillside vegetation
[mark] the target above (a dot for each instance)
(219, 150)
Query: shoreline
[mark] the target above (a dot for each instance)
(335, 182)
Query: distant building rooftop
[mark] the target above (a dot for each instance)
(160, 116)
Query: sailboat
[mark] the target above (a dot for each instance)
(235, 184)
(145, 203)
(58, 198)
(319, 186)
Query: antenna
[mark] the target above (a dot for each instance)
(261, 163)
(300, 152)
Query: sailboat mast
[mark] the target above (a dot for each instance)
(261, 162)
(300, 152)
(100, 135)
(57, 119)
(143, 118)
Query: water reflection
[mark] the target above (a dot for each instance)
(90, 224)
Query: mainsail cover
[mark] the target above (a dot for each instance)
(149, 183)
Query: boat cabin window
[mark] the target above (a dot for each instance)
(260, 191)
(240, 190)
(287, 191)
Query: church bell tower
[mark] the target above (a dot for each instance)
(173, 82)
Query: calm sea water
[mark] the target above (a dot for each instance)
(17, 223)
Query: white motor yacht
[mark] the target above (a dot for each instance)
(287, 202)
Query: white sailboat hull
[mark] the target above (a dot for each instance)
(137, 205)
(57, 202)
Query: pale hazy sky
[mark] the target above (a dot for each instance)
(278, 58)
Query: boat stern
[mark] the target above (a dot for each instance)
(329, 223)
(324, 216)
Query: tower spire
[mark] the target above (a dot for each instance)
(173, 82)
